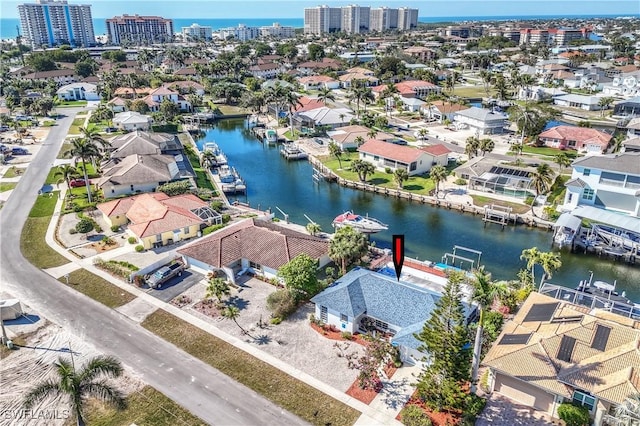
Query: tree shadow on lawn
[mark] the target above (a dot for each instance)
(378, 181)
(413, 187)
(238, 302)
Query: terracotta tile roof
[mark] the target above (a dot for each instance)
(153, 214)
(611, 373)
(258, 241)
(579, 134)
(403, 154)
(130, 91)
(436, 150)
(316, 79)
(351, 133)
(308, 104)
(163, 91)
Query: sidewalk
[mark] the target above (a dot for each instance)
(380, 413)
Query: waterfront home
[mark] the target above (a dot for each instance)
(253, 245)
(625, 84)
(78, 92)
(609, 182)
(583, 139)
(144, 143)
(493, 176)
(330, 118)
(185, 87)
(157, 219)
(156, 96)
(363, 300)
(483, 121)
(553, 352)
(317, 82)
(137, 173)
(588, 103)
(415, 161)
(131, 120)
(633, 127)
(628, 108)
(442, 110)
(360, 74)
(347, 137)
(410, 89)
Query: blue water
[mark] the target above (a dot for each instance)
(430, 232)
(8, 25)
(554, 123)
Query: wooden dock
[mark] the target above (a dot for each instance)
(498, 214)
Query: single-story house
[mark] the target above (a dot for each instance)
(631, 145)
(79, 92)
(315, 82)
(253, 245)
(324, 116)
(633, 127)
(630, 107)
(484, 121)
(553, 352)
(493, 176)
(347, 137)
(117, 104)
(185, 87)
(579, 138)
(137, 173)
(157, 219)
(414, 160)
(410, 89)
(144, 143)
(589, 103)
(132, 92)
(364, 301)
(412, 104)
(132, 120)
(442, 110)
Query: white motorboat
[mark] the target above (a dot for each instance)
(364, 224)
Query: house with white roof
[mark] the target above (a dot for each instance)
(132, 120)
(156, 96)
(78, 92)
(588, 103)
(316, 82)
(324, 116)
(415, 161)
(484, 121)
(347, 137)
(626, 84)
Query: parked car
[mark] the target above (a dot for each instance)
(164, 274)
(4, 128)
(19, 151)
(110, 129)
(76, 183)
(319, 141)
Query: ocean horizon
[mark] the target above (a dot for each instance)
(8, 25)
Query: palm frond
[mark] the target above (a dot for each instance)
(40, 392)
(106, 393)
(100, 365)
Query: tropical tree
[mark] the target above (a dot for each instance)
(66, 173)
(363, 169)
(550, 262)
(628, 413)
(233, 313)
(359, 140)
(532, 256)
(372, 133)
(334, 150)
(326, 94)
(422, 133)
(472, 144)
(400, 176)
(541, 181)
(604, 103)
(485, 292)
(208, 159)
(93, 135)
(347, 246)
(313, 228)
(300, 277)
(486, 145)
(217, 287)
(516, 148)
(87, 151)
(438, 174)
(78, 386)
(562, 160)
(292, 100)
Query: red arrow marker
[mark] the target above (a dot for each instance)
(398, 253)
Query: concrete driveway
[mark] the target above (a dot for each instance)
(502, 411)
(176, 285)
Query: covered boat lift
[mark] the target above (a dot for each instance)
(565, 229)
(616, 230)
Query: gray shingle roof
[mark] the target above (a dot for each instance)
(481, 114)
(628, 162)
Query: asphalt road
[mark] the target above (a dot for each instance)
(193, 384)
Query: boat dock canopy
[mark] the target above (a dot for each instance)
(618, 220)
(567, 220)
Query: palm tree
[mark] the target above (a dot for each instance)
(363, 169)
(628, 413)
(604, 103)
(334, 149)
(550, 262)
(485, 292)
(562, 160)
(78, 386)
(372, 133)
(359, 140)
(516, 148)
(400, 175)
(313, 228)
(87, 151)
(541, 180)
(422, 133)
(233, 312)
(532, 256)
(438, 174)
(208, 159)
(326, 94)
(292, 100)
(486, 145)
(471, 146)
(217, 287)
(66, 173)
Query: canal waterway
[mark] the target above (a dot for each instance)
(430, 232)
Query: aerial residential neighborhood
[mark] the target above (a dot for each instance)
(346, 215)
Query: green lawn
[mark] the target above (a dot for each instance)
(416, 184)
(32, 243)
(481, 201)
(44, 205)
(232, 110)
(145, 407)
(64, 150)
(291, 394)
(543, 150)
(98, 288)
(69, 104)
(7, 186)
(51, 176)
(78, 200)
(470, 92)
(202, 180)
(13, 171)
(75, 126)
(91, 170)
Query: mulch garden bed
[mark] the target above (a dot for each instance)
(207, 307)
(331, 332)
(442, 418)
(362, 395)
(181, 301)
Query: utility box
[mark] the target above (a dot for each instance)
(10, 309)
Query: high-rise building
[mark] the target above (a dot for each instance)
(51, 23)
(136, 29)
(198, 32)
(358, 19)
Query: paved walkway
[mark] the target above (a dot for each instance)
(501, 411)
(382, 412)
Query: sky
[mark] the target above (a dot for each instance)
(295, 9)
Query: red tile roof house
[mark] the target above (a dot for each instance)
(415, 160)
(581, 139)
(157, 219)
(411, 89)
(253, 245)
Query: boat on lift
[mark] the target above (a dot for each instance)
(220, 158)
(364, 224)
(271, 136)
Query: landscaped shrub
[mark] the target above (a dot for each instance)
(108, 241)
(346, 335)
(139, 248)
(212, 228)
(84, 225)
(203, 193)
(460, 181)
(115, 228)
(175, 188)
(529, 200)
(412, 415)
(281, 303)
(573, 415)
(387, 170)
(132, 240)
(217, 205)
(120, 269)
(226, 218)
(275, 320)
(73, 231)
